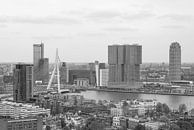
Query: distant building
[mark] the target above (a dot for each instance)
(97, 73)
(64, 73)
(43, 70)
(175, 61)
(21, 124)
(92, 71)
(23, 82)
(116, 111)
(41, 64)
(20, 110)
(124, 65)
(38, 52)
(98, 67)
(82, 82)
(104, 77)
(86, 74)
(153, 125)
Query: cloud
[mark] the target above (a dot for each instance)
(118, 16)
(178, 17)
(39, 20)
(52, 37)
(141, 15)
(3, 25)
(92, 34)
(103, 15)
(120, 29)
(173, 27)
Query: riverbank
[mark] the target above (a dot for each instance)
(139, 92)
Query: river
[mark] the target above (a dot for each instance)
(173, 101)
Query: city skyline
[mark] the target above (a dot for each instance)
(80, 29)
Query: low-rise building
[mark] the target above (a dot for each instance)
(132, 123)
(116, 121)
(21, 124)
(116, 111)
(20, 110)
(153, 125)
(82, 82)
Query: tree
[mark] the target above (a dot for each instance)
(174, 127)
(164, 119)
(182, 108)
(185, 125)
(139, 127)
(163, 127)
(112, 105)
(125, 104)
(165, 108)
(159, 107)
(48, 127)
(100, 102)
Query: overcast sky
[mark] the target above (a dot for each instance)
(82, 29)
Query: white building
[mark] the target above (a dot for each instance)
(83, 82)
(116, 121)
(104, 77)
(20, 110)
(153, 125)
(116, 111)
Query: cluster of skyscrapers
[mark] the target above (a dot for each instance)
(26, 75)
(123, 71)
(41, 64)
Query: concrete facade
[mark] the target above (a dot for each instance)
(64, 73)
(87, 74)
(41, 64)
(104, 77)
(21, 124)
(43, 70)
(23, 82)
(124, 65)
(175, 62)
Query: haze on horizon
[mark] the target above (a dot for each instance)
(83, 29)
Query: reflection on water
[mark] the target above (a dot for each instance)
(171, 100)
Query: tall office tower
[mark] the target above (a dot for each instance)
(38, 53)
(124, 65)
(92, 71)
(175, 61)
(41, 64)
(98, 67)
(43, 73)
(103, 77)
(23, 82)
(97, 73)
(64, 73)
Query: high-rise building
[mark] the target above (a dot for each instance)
(41, 64)
(23, 82)
(175, 61)
(97, 70)
(124, 65)
(98, 67)
(43, 70)
(38, 53)
(64, 73)
(103, 77)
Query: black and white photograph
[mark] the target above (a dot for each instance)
(96, 64)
